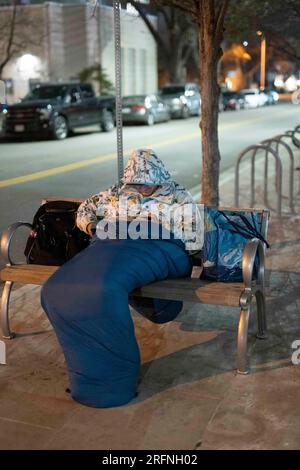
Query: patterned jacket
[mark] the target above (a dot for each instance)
(170, 205)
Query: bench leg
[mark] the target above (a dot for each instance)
(4, 313)
(242, 367)
(2, 352)
(261, 315)
(243, 330)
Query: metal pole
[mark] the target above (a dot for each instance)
(118, 80)
(263, 47)
(263, 63)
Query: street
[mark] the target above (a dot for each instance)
(86, 163)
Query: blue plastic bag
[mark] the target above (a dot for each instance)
(225, 238)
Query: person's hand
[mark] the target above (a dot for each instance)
(91, 228)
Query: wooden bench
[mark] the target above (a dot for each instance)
(238, 295)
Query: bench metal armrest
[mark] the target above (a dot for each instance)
(6, 239)
(253, 247)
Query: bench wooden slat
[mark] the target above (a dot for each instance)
(194, 290)
(28, 273)
(185, 289)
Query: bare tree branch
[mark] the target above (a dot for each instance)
(150, 26)
(167, 19)
(220, 19)
(9, 45)
(18, 31)
(188, 6)
(283, 45)
(295, 7)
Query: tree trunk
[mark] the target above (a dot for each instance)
(209, 55)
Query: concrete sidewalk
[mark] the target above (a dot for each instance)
(190, 396)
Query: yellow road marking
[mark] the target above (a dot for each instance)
(83, 163)
(112, 156)
(54, 171)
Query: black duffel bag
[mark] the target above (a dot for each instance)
(55, 238)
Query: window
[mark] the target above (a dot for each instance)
(73, 95)
(47, 92)
(143, 70)
(87, 91)
(9, 86)
(123, 82)
(133, 100)
(153, 100)
(33, 83)
(172, 90)
(131, 69)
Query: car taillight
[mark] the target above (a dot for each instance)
(137, 107)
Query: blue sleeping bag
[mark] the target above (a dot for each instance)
(86, 301)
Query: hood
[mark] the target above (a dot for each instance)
(144, 167)
(33, 104)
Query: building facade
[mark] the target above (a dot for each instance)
(65, 38)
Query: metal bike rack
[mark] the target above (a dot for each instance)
(278, 140)
(291, 135)
(253, 150)
(298, 170)
(296, 143)
(295, 140)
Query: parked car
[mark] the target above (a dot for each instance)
(221, 103)
(147, 109)
(252, 98)
(263, 98)
(233, 100)
(272, 95)
(56, 109)
(3, 112)
(183, 100)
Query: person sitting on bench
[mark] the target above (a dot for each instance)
(140, 234)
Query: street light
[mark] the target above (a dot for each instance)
(263, 45)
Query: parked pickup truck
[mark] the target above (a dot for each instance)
(56, 109)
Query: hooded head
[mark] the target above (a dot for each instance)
(144, 167)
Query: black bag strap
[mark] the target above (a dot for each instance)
(248, 230)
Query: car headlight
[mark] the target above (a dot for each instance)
(3, 116)
(176, 101)
(44, 113)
